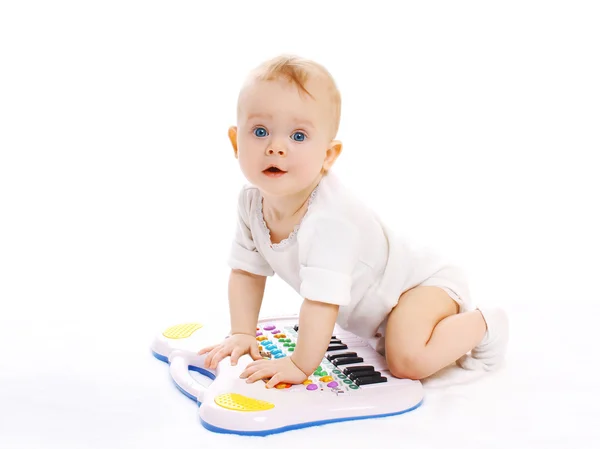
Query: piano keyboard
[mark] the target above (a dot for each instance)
(352, 382)
(349, 363)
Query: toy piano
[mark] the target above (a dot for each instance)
(352, 382)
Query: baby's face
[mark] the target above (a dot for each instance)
(278, 125)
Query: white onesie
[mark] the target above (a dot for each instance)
(341, 253)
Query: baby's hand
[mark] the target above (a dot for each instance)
(236, 346)
(279, 370)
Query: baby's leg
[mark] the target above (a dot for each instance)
(425, 332)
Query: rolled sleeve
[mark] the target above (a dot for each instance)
(329, 252)
(244, 254)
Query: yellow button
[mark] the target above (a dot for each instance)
(307, 381)
(326, 379)
(241, 403)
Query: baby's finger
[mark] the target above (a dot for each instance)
(260, 374)
(257, 364)
(274, 380)
(235, 355)
(219, 355)
(207, 349)
(250, 369)
(255, 353)
(209, 357)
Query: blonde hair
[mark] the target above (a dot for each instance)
(298, 71)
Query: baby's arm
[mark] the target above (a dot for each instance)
(315, 327)
(249, 272)
(329, 252)
(246, 291)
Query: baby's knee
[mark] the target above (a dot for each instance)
(408, 364)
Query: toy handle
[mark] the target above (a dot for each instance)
(179, 363)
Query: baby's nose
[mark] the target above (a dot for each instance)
(278, 150)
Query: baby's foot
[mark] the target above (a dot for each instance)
(490, 352)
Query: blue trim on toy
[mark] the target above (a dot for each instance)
(263, 433)
(204, 372)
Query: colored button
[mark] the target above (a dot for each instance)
(276, 331)
(282, 385)
(293, 345)
(258, 334)
(281, 340)
(326, 379)
(354, 387)
(311, 387)
(332, 384)
(278, 356)
(307, 382)
(269, 327)
(291, 349)
(347, 381)
(288, 340)
(285, 345)
(280, 336)
(337, 371)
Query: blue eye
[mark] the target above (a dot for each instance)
(260, 132)
(298, 136)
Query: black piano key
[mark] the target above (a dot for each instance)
(336, 347)
(335, 341)
(359, 374)
(351, 369)
(347, 360)
(370, 380)
(331, 357)
(296, 327)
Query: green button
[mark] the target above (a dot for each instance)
(347, 381)
(285, 345)
(291, 349)
(288, 340)
(354, 387)
(337, 371)
(341, 376)
(281, 340)
(293, 345)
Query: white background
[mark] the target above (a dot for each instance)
(470, 126)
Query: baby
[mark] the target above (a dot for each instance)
(297, 220)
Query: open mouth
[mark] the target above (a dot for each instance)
(274, 171)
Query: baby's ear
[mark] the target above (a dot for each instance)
(233, 139)
(333, 151)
